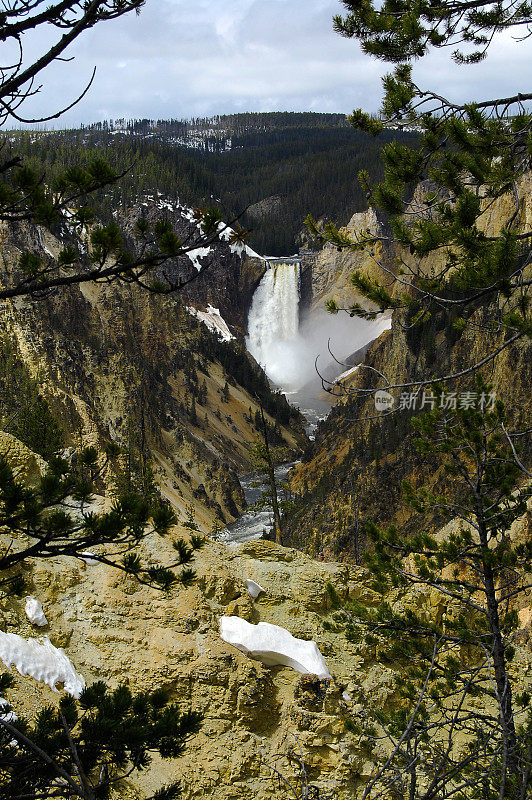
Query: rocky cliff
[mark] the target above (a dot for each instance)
(106, 356)
(115, 362)
(353, 472)
(333, 268)
(115, 629)
(233, 271)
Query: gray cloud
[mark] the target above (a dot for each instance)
(183, 58)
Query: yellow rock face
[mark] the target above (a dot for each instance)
(27, 465)
(115, 630)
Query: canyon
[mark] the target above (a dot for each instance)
(110, 359)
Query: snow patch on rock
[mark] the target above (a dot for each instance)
(237, 248)
(89, 558)
(347, 373)
(214, 321)
(254, 589)
(274, 646)
(195, 255)
(6, 713)
(34, 612)
(188, 213)
(42, 661)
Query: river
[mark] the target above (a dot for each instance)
(254, 524)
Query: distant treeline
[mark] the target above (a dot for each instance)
(223, 123)
(298, 163)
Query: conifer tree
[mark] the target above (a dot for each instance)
(56, 519)
(85, 749)
(468, 155)
(82, 749)
(460, 727)
(265, 457)
(28, 195)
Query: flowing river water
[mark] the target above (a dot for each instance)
(254, 524)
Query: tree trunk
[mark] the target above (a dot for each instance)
(273, 483)
(356, 531)
(502, 682)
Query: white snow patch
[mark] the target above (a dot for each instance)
(42, 661)
(89, 558)
(214, 321)
(254, 589)
(8, 715)
(34, 612)
(224, 231)
(252, 254)
(347, 373)
(165, 205)
(274, 646)
(188, 213)
(237, 248)
(195, 255)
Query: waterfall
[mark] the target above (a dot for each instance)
(286, 347)
(273, 322)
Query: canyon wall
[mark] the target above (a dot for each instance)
(255, 717)
(353, 472)
(111, 357)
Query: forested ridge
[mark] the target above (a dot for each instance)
(281, 166)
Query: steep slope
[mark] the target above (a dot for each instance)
(119, 364)
(333, 268)
(255, 717)
(354, 470)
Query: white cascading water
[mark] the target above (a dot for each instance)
(273, 323)
(286, 346)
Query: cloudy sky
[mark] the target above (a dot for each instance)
(183, 58)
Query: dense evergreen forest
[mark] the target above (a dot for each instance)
(279, 166)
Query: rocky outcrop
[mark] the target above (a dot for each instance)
(26, 465)
(114, 629)
(233, 271)
(360, 457)
(265, 208)
(333, 268)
